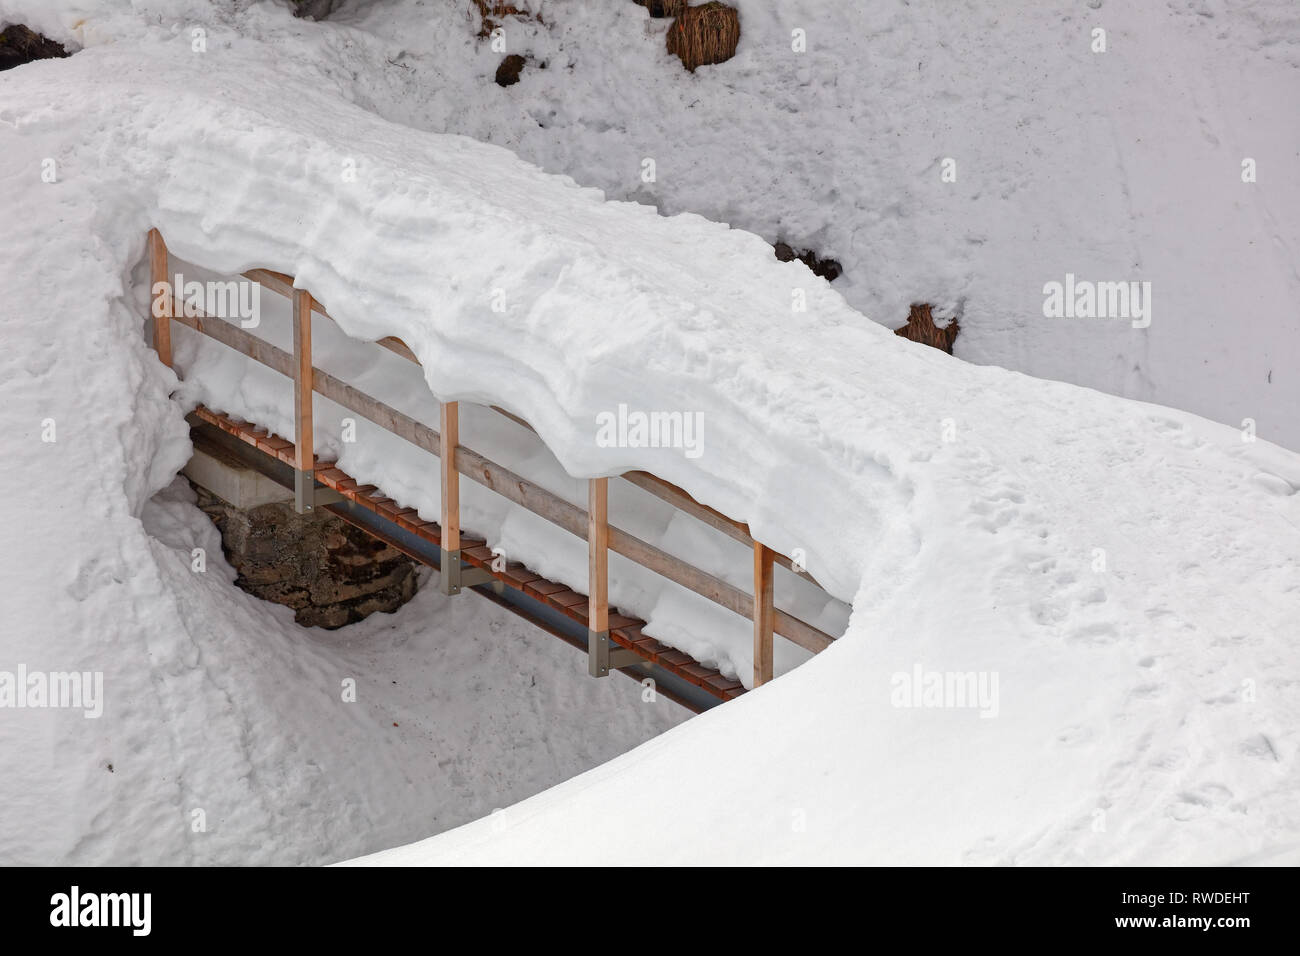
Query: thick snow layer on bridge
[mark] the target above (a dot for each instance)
(1122, 165)
(1119, 578)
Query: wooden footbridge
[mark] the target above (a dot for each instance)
(612, 641)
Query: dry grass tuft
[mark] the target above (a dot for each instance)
(705, 34)
(663, 8)
(921, 328)
(490, 11)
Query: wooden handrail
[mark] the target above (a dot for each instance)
(591, 524)
(664, 490)
(336, 390)
(506, 483)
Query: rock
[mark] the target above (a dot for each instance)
(330, 572)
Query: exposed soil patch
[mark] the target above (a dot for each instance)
(19, 45)
(829, 269)
(313, 9)
(509, 70)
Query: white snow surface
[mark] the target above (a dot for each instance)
(1117, 166)
(1127, 571)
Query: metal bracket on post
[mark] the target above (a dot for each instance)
(604, 656)
(452, 576)
(449, 572)
(308, 495)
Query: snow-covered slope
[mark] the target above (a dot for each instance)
(214, 702)
(225, 737)
(1113, 167)
(1126, 572)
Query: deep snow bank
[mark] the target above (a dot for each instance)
(1117, 166)
(962, 509)
(214, 702)
(1113, 167)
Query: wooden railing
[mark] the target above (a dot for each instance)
(457, 459)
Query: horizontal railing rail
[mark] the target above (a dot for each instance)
(457, 459)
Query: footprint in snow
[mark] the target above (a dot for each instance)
(93, 575)
(1273, 484)
(1259, 746)
(1099, 633)
(1193, 804)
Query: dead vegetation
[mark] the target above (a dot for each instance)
(492, 8)
(921, 328)
(491, 12)
(705, 34)
(660, 9)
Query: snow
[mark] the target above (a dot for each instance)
(1127, 571)
(221, 378)
(1116, 166)
(219, 703)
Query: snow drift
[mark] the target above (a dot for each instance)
(1128, 572)
(1116, 166)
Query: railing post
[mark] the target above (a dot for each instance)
(764, 614)
(304, 479)
(452, 578)
(598, 655)
(160, 301)
(449, 433)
